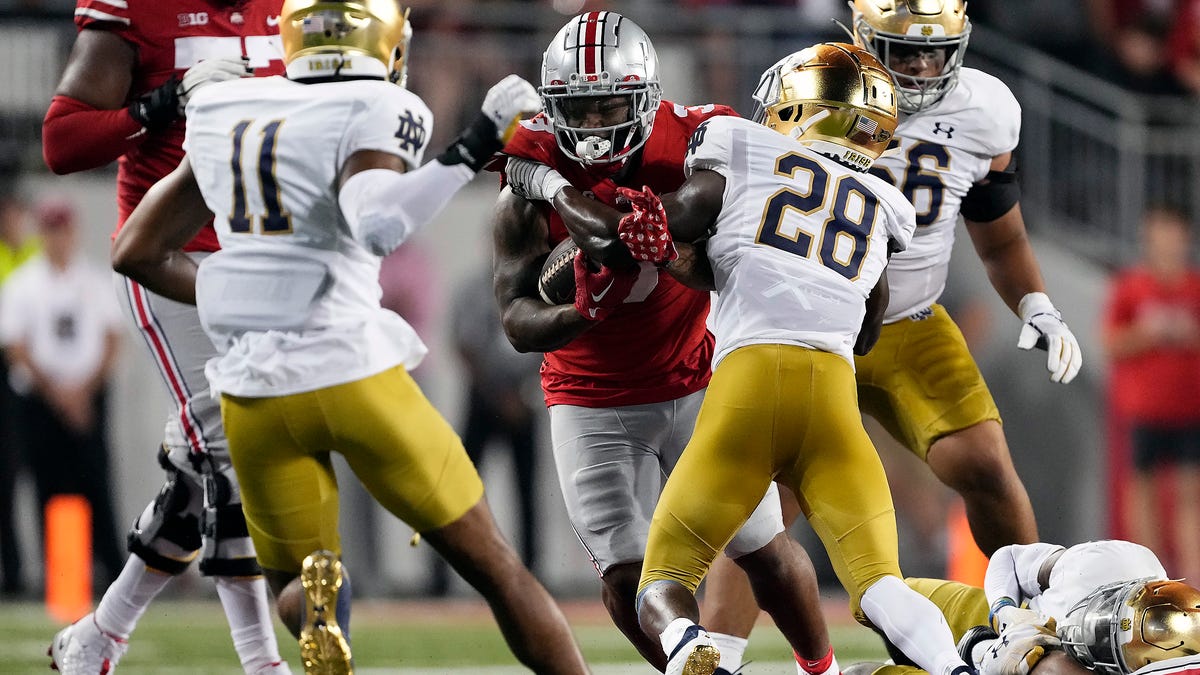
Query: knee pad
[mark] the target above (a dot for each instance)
(167, 534)
(228, 550)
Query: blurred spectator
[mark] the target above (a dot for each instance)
(59, 326)
(1143, 45)
(17, 245)
(501, 390)
(1152, 333)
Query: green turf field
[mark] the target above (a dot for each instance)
(416, 638)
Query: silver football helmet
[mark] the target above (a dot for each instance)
(600, 55)
(1124, 626)
(886, 26)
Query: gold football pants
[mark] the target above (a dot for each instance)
(786, 413)
(921, 383)
(398, 445)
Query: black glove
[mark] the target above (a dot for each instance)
(474, 146)
(157, 108)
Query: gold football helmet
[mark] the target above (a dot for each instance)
(834, 97)
(1124, 626)
(893, 29)
(352, 38)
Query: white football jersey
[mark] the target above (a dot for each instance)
(800, 242)
(942, 152)
(292, 300)
(1085, 567)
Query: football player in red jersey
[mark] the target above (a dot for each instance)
(121, 97)
(626, 366)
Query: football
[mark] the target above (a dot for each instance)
(556, 283)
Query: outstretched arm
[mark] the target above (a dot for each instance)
(149, 248)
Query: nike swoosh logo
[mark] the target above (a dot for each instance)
(598, 297)
(273, 20)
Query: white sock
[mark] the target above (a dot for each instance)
(128, 597)
(673, 633)
(249, 615)
(914, 624)
(732, 648)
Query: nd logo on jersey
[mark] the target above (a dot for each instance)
(411, 132)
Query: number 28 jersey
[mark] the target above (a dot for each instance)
(291, 300)
(800, 241)
(943, 151)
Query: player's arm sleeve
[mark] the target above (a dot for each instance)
(12, 328)
(1013, 572)
(88, 124)
(382, 207)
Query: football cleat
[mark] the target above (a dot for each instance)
(324, 649)
(83, 649)
(277, 668)
(694, 655)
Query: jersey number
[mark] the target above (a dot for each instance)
(844, 236)
(922, 187)
(276, 220)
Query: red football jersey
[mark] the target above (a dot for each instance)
(1159, 385)
(650, 351)
(169, 38)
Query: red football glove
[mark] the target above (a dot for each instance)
(597, 294)
(644, 230)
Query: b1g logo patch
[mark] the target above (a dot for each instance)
(193, 19)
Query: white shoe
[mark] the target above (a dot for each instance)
(280, 668)
(694, 655)
(83, 649)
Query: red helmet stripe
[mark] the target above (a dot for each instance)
(592, 45)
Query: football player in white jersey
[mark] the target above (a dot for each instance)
(953, 156)
(1102, 606)
(312, 178)
(798, 237)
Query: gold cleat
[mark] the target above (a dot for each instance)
(703, 660)
(323, 648)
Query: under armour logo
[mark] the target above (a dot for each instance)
(937, 129)
(697, 138)
(411, 132)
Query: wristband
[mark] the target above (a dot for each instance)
(998, 605)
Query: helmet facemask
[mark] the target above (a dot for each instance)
(595, 59)
(1124, 626)
(567, 107)
(895, 34)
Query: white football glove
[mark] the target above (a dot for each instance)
(1019, 649)
(1045, 328)
(210, 71)
(507, 102)
(533, 180)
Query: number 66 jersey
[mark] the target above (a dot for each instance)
(800, 241)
